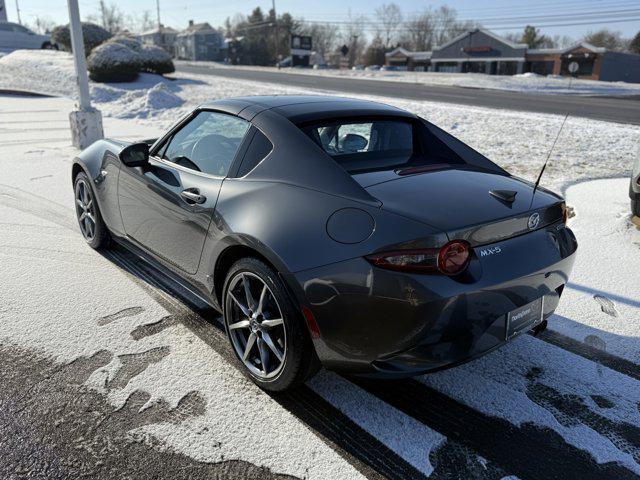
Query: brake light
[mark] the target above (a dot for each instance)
(454, 257)
(451, 259)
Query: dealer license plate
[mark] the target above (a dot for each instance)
(524, 318)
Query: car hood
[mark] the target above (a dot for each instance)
(456, 199)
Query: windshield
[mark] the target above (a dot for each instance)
(381, 144)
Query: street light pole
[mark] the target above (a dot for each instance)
(18, 12)
(86, 122)
(275, 19)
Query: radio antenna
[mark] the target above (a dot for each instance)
(573, 68)
(535, 187)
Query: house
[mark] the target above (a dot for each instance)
(164, 37)
(479, 51)
(200, 41)
(594, 63)
(482, 51)
(405, 59)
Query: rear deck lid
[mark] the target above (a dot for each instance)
(479, 206)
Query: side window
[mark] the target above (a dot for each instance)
(208, 143)
(259, 148)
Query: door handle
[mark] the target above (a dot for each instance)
(192, 195)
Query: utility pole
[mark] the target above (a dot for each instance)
(275, 19)
(18, 11)
(3, 11)
(86, 122)
(160, 34)
(104, 16)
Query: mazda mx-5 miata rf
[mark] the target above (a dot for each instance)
(335, 232)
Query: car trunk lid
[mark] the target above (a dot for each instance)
(479, 206)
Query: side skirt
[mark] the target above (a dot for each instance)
(178, 279)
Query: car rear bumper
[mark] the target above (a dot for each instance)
(375, 321)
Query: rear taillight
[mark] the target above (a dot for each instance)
(454, 257)
(565, 213)
(451, 259)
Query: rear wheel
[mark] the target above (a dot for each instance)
(90, 221)
(265, 330)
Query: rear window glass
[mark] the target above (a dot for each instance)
(380, 144)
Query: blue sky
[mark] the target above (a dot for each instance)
(492, 13)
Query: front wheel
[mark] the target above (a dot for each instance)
(265, 330)
(88, 214)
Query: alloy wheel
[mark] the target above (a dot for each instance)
(256, 325)
(85, 209)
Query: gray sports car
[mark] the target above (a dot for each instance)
(335, 232)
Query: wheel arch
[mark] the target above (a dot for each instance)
(76, 169)
(244, 249)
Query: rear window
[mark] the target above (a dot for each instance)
(381, 144)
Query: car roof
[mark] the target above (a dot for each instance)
(305, 108)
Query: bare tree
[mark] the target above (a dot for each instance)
(420, 32)
(323, 36)
(140, 22)
(607, 39)
(42, 25)
(390, 19)
(353, 36)
(563, 41)
(111, 17)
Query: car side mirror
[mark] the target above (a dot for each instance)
(135, 155)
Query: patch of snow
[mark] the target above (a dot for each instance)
(601, 304)
(113, 55)
(48, 72)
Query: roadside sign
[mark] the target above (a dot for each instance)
(573, 67)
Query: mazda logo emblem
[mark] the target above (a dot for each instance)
(534, 221)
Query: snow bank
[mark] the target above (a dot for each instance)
(48, 72)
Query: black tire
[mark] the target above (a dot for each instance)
(635, 207)
(49, 46)
(300, 360)
(98, 237)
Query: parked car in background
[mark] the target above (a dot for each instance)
(373, 68)
(15, 37)
(389, 68)
(357, 67)
(320, 66)
(634, 187)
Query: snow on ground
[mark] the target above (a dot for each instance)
(63, 299)
(518, 141)
(44, 260)
(601, 306)
(525, 83)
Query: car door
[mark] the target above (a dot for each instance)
(7, 37)
(25, 38)
(167, 206)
